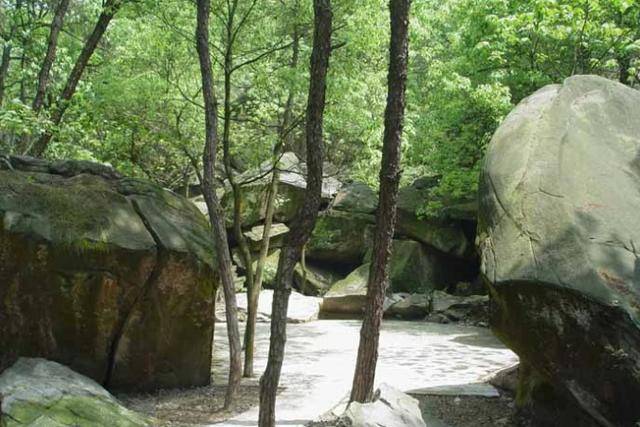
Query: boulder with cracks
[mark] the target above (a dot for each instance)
(114, 277)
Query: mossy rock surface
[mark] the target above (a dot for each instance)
(349, 295)
(112, 276)
(38, 392)
(340, 238)
(356, 197)
(558, 233)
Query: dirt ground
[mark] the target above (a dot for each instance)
(188, 407)
(471, 411)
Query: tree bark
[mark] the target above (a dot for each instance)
(213, 204)
(304, 221)
(364, 375)
(253, 292)
(50, 56)
(108, 12)
(4, 68)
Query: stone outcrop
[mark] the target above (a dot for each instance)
(559, 233)
(114, 277)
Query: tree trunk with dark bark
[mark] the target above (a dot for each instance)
(4, 68)
(50, 56)
(364, 375)
(304, 221)
(213, 204)
(108, 12)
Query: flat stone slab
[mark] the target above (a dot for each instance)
(471, 389)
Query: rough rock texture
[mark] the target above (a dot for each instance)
(444, 235)
(390, 408)
(349, 295)
(301, 308)
(559, 232)
(340, 237)
(291, 189)
(356, 197)
(38, 392)
(446, 308)
(440, 307)
(317, 280)
(415, 267)
(111, 276)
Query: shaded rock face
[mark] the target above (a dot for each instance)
(558, 233)
(38, 392)
(356, 197)
(341, 238)
(111, 276)
(441, 233)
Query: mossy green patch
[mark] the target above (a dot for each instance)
(72, 411)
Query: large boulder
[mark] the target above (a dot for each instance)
(340, 237)
(356, 197)
(558, 232)
(255, 184)
(111, 276)
(38, 392)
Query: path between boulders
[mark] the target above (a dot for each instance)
(320, 358)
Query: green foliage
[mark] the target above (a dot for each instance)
(138, 105)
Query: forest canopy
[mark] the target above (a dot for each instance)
(138, 105)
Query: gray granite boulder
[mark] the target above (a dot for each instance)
(559, 233)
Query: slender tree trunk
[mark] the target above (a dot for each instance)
(364, 375)
(213, 204)
(304, 221)
(4, 68)
(108, 12)
(253, 292)
(50, 56)
(243, 247)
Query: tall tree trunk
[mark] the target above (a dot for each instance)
(364, 375)
(253, 292)
(108, 12)
(50, 56)
(213, 204)
(4, 68)
(304, 221)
